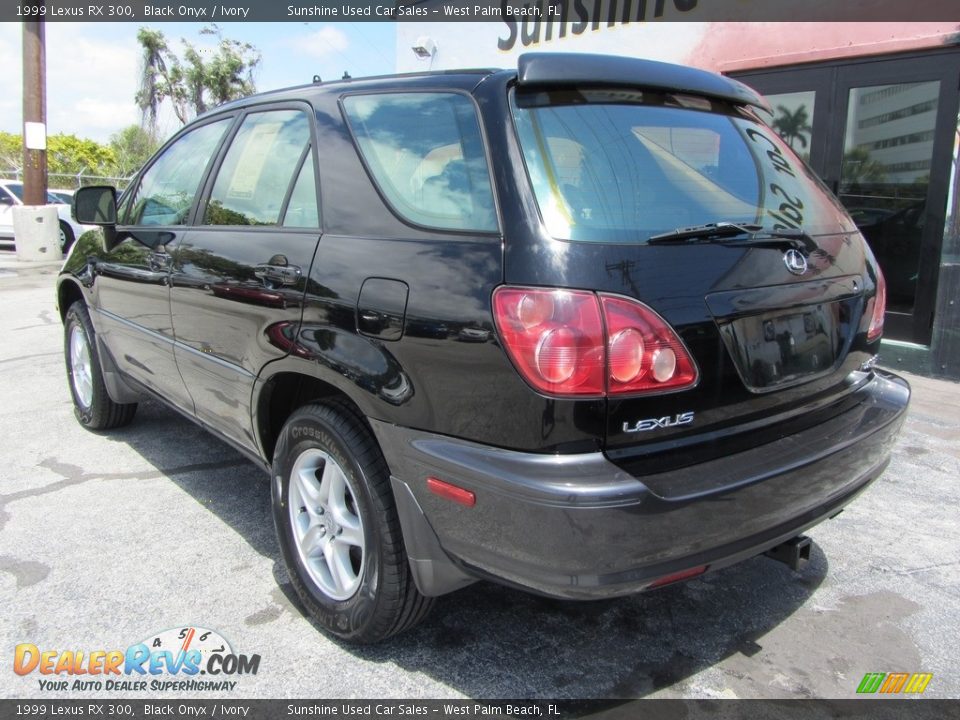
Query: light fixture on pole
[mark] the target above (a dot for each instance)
(425, 48)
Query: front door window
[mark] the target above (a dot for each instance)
(169, 187)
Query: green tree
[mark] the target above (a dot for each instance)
(11, 152)
(131, 147)
(71, 155)
(793, 125)
(200, 80)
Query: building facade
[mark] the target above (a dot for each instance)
(871, 106)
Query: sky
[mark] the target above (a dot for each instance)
(92, 68)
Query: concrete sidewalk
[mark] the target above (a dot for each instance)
(20, 273)
(11, 263)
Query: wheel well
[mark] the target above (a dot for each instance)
(283, 394)
(67, 294)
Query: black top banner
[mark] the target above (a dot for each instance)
(595, 13)
(117, 709)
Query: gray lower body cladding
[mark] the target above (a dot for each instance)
(580, 527)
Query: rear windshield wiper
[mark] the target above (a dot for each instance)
(724, 233)
(706, 232)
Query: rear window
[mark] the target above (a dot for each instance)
(426, 155)
(620, 166)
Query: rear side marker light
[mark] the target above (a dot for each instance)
(451, 492)
(577, 343)
(677, 577)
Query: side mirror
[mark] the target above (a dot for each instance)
(95, 205)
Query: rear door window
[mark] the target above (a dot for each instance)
(302, 206)
(425, 152)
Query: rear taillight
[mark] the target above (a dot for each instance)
(554, 337)
(574, 343)
(644, 353)
(877, 308)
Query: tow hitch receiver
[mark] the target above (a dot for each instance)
(794, 553)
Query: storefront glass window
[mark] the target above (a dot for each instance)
(887, 155)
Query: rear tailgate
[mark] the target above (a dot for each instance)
(777, 339)
(765, 355)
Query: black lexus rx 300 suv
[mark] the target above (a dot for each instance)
(587, 327)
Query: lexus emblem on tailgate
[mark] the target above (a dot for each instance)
(657, 423)
(795, 262)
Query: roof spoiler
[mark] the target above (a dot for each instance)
(565, 69)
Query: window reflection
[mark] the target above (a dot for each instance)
(793, 119)
(888, 147)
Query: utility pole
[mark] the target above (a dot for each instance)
(34, 114)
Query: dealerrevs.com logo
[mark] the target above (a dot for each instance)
(189, 659)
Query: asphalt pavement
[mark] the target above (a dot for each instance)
(107, 540)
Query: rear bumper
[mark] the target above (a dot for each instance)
(578, 526)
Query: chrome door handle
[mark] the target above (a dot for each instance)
(159, 261)
(283, 274)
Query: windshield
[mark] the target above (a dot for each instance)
(620, 166)
(17, 189)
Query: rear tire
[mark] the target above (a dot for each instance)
(337, 526)
(91, 402)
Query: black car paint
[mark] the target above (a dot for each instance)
(189, 321)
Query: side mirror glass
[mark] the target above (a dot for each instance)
(95, 205)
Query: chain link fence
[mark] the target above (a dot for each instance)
(67, 181)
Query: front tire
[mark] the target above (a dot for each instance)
(91, 402)
(66, 237)
(337, 526)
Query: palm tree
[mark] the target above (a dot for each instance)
(793, 125)
(859, 168)
(153, 77)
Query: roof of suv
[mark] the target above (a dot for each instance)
(453, 78)
(546, 70)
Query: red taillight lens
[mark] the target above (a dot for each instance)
(645, 354)
(877, 308)
(554, 337)
(572, 343)
(626, 355)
